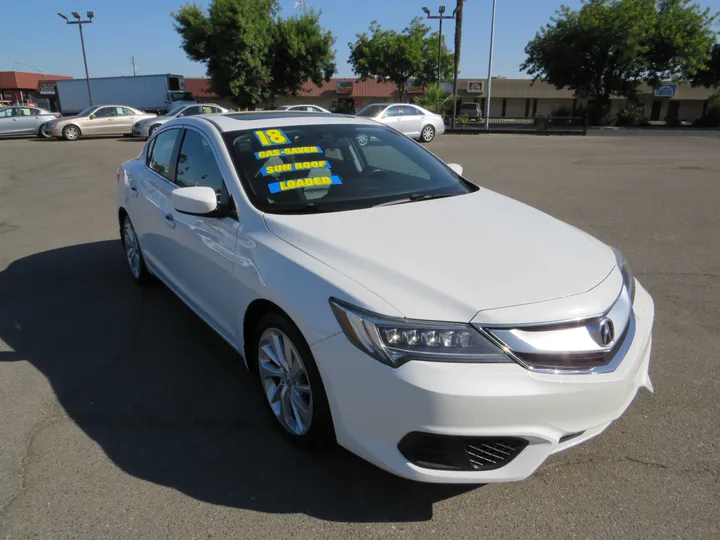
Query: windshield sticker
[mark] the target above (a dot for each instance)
(299, 166)
(271, 137)
(287, 185)
(292, 151)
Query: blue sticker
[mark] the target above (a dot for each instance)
(298, 166)
(292, 151)
(287, 185)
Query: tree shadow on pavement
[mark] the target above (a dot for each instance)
(169, 402)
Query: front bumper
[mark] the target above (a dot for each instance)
(374, 406)
(141, 131)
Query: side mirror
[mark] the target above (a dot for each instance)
(196, 201)
(456, 167)
(91, 117)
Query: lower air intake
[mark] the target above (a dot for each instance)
(460, 453)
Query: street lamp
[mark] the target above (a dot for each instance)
(80, 22)
(441, 18)
(489, 85)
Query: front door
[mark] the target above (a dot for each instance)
(412, 120)
(393, 117)
(655, 113)
(204, 247)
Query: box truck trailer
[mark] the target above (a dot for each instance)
(150, 93)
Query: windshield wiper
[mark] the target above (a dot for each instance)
(308, 208)
(416, 197)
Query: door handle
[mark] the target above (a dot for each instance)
(134, 191)
(169, 220)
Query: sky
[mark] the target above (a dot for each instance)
(144, 29)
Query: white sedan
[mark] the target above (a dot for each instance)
(412, 120)
(353, 282)
(145, 128)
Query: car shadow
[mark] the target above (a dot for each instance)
(169, 402)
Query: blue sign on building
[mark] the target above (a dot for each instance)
(666, 90)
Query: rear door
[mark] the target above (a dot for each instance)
(127, 120)
(23, 121)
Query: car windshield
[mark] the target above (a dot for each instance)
(336, 167)
(181, 96)
(371, 110)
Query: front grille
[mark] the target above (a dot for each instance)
(446, 452)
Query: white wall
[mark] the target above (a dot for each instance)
(515, 107)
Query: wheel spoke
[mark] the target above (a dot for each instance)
(279, 351)
(275, 392)
(286, 405)
(270, 353)
(270, 371)
(302, 411)
(302, 388)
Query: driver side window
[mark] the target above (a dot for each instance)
(102, 113)
(393, 111)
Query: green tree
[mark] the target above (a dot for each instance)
(388, 55)
(434, 98)
(302, 52)
(250, 52)
(609, 47)
(709, 76)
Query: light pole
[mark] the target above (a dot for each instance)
(489, 85)
(80, 23)
(441, 18)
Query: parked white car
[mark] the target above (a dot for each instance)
(412, 120)
(145, 128)
(351, 280)
(302, 108)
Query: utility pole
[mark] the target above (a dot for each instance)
(132, 59)
(439, 17)
(80, 23)
(489, 82)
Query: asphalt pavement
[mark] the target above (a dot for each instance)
(124, 416)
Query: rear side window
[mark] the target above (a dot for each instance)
(160, 155)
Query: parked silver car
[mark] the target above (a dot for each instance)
(24, 120)
(145, 128)
(99, 120)
(412, 120)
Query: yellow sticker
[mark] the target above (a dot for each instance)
(271, 137)
(286, 185)
(291, 151)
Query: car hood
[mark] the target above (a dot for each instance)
(448, 259)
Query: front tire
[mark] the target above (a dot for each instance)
(71, 133)
(427, 134)
(133, 254)
(291, 382)
(152, 130)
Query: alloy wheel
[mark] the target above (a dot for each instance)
(71, 133)
(428, 133)
(363, 139)
(285, 380)
(132, 251)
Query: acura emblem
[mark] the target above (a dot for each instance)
(607, 332)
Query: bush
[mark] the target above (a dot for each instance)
(562, 111)
(711, 118)
(631, 115)
(608, 119)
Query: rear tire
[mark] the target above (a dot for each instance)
(133, 254)
(427, 134)
(293, 389)
(71, 133)
(43, 134)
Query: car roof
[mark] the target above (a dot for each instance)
(271, 119)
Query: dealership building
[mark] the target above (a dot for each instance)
(517, 98)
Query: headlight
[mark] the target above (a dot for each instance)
(397, 341)
(628, 278)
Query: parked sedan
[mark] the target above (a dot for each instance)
(99, 120)
(435, 357)
(24, 120)
(412, 120)
(145, 128)
(302, 108)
